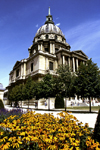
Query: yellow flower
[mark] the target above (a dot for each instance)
(1, 133)
(15, 145)
(6, 146)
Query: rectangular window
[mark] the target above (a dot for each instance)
(47, 49)
(31, 67)
(17, 73)
(51, 65)
(56, 49)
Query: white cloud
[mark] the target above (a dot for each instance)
(84, 36)
(58, 24)
(57, 18)
(37, 26)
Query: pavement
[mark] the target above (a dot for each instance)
(83, 117)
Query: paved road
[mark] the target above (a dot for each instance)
(84, 118)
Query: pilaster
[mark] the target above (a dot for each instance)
(51, 47)
(63, 60)
(69, 61)
(73, 64)
(76, 63)
(24, 69)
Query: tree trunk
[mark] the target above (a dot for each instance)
(49, 103)
(28, 103)
(65, 104)
(21, 104)
(90, 104)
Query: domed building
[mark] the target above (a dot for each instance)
(49, 49)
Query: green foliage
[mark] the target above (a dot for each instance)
(96, 133)
(1, 104)
(16, 94)
(48, 86)
(59, 102)
(87, 79)
(65, 81)
(38, 90)
(44, 88)
(87, 82)
(27, 89)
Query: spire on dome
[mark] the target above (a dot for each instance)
(49, 12)
(49, 18)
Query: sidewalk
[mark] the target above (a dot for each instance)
(84, 117)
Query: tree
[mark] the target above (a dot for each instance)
(28, 90)
(45, 88)
(65, 82)
(48, 86)
(37, 90)
(59, 101)
(12, 95)
(20, 93)
(87, 80)
(1, 104)
(16, 94)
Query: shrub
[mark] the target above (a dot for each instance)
(96, 133)
(1, 104)
(59, 102)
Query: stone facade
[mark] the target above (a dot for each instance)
(48, 51)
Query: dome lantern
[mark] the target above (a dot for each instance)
(49, 18)
(49, 27)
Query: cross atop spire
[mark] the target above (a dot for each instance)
(49, 18)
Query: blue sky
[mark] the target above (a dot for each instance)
(79, 20)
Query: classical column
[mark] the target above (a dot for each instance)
(14, 75)
(73, 64)
(50, 47)
(21, 70)
(38, 47)
(46, 64)
(69, 61)
(77, 63)
(24, 69)
(63, 60)
(55, 66)
(41, 46)
(53, 48)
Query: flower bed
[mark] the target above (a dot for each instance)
(4, 113)
(45, 132)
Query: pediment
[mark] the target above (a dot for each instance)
(16, 64)
(80, 52)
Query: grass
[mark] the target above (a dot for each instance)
(93, 108)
